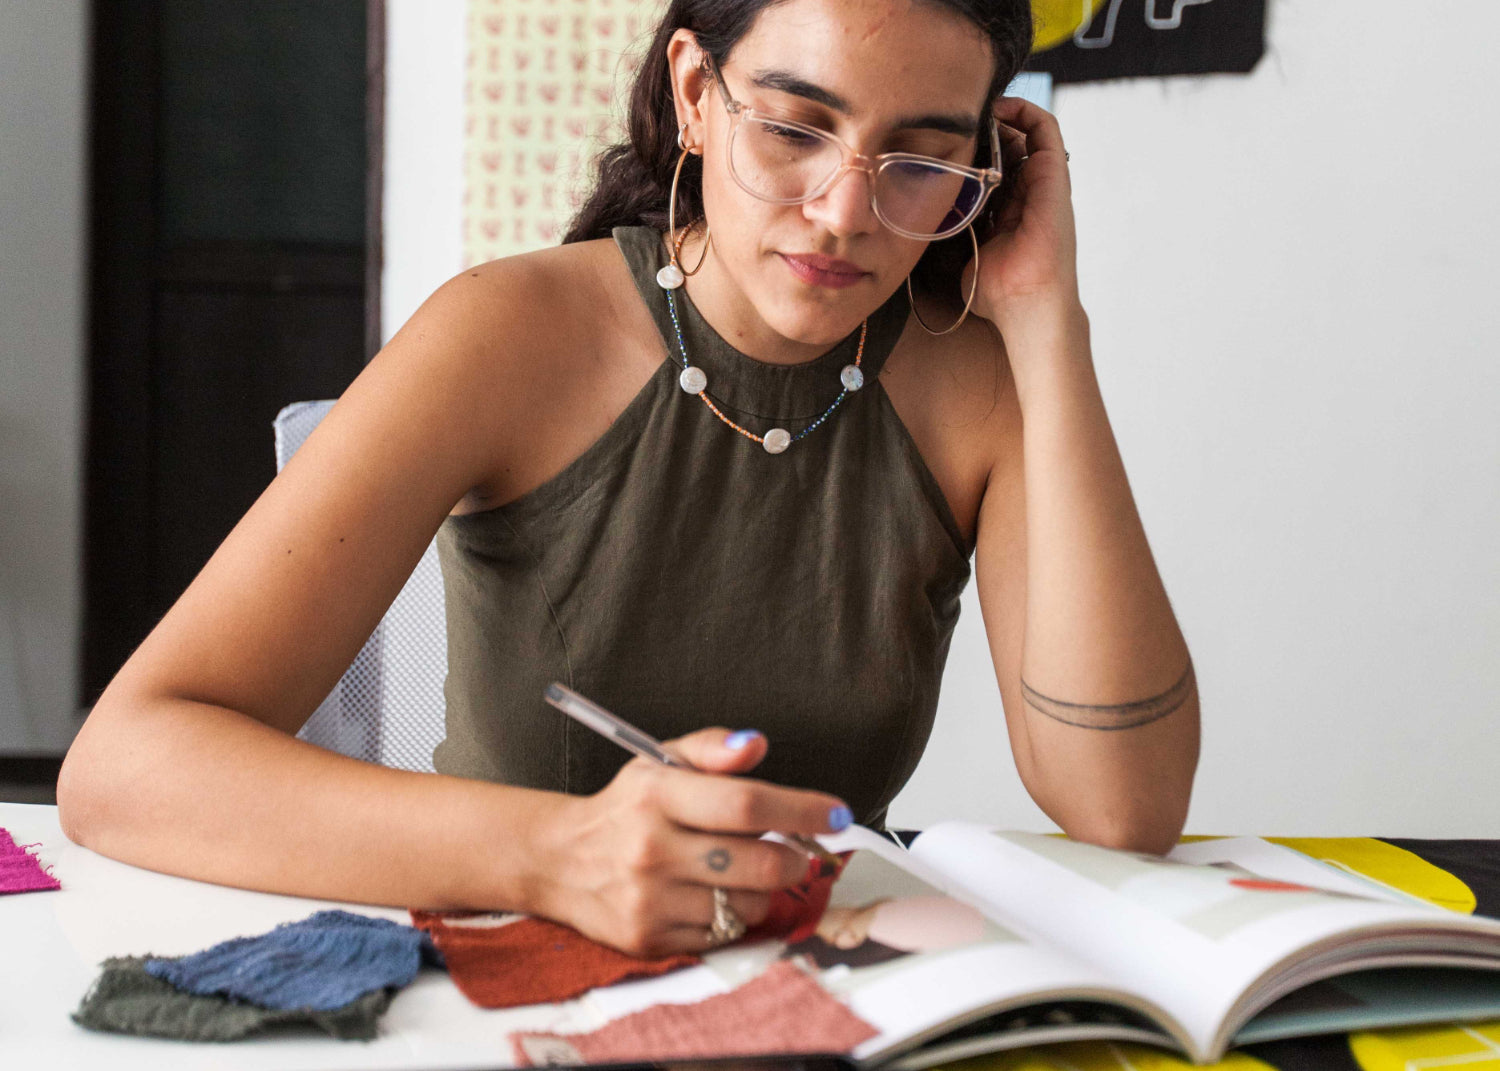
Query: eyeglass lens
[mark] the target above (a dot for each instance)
(785, 164)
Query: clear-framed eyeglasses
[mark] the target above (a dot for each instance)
(780, 160)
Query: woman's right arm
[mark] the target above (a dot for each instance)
(188, 763)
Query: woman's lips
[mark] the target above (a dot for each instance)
(810, 273)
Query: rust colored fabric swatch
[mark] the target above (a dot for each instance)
(795, 912)
(782, 1011)
(530, 960)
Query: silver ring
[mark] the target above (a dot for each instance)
(727, 926)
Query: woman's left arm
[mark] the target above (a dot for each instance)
(1097, 682)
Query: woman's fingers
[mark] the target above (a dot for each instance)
(644, 854)
(1012, 145)
(1039, 126)
(687, 940)
(719, 804)
(681, 920)
(740, 805)
(694, 906)
(720, 750)
(693, 916)
(737, 862)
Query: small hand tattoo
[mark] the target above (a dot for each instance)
(717, 860)
(1113, 716)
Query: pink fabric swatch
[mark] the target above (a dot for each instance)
(19, 870)
(782, 1011)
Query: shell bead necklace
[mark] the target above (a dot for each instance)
(694, 380)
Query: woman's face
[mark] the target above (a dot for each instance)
(874, 72)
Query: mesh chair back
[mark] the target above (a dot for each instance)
(388, 707)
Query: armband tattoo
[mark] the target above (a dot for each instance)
(1113, 715)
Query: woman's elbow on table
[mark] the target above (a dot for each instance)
(106, 777)
(76, 790)
(1152, 826)
(84, 791)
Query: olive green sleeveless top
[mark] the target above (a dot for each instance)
(681, 576)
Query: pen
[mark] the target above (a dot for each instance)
(612, 727)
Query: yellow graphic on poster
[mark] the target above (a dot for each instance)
(544, 92)
(1387, 865)
(1055, 21)
(1382, 863)
(1100, 1056)
(1474, 1047)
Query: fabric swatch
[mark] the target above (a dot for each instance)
(781, 1011)
(525, 960)
(19, 869)
(125, 999)
(320, 963)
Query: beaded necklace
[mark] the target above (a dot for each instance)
(694, 380)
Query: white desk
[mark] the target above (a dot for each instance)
(52, 942)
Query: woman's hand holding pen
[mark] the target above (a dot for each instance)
(635, 865)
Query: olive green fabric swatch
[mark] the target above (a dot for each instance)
(124, 999)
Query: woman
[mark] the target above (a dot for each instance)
(595, 442)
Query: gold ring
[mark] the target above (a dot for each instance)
(727, 926)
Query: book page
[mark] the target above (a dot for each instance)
(1269, 860)
(1193, 938)
(906, 958)
(954, 960)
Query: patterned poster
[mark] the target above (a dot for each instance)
(545, 90)
(1089, 40)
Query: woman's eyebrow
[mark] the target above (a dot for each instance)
(784, 81)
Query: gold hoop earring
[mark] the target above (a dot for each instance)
(707, 241)
(671, 276)
(973, 286)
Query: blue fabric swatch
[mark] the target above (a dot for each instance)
(323, 962)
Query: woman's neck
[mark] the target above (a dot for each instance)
(726, 309)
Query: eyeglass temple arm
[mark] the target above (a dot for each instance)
(730, 104)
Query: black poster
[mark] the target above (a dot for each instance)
(1089, 40)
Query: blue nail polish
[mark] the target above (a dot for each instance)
(735, 741)
(840, 818)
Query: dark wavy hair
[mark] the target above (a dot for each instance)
(634, 178)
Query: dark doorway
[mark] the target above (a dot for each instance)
(235, 243)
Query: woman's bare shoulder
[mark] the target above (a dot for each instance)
(954, 394)
(559, 341)
(543, 298)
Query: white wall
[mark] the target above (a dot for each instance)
(43, 93)
(422, 208)
(1291, 280)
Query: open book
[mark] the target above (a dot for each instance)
(978, 940)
